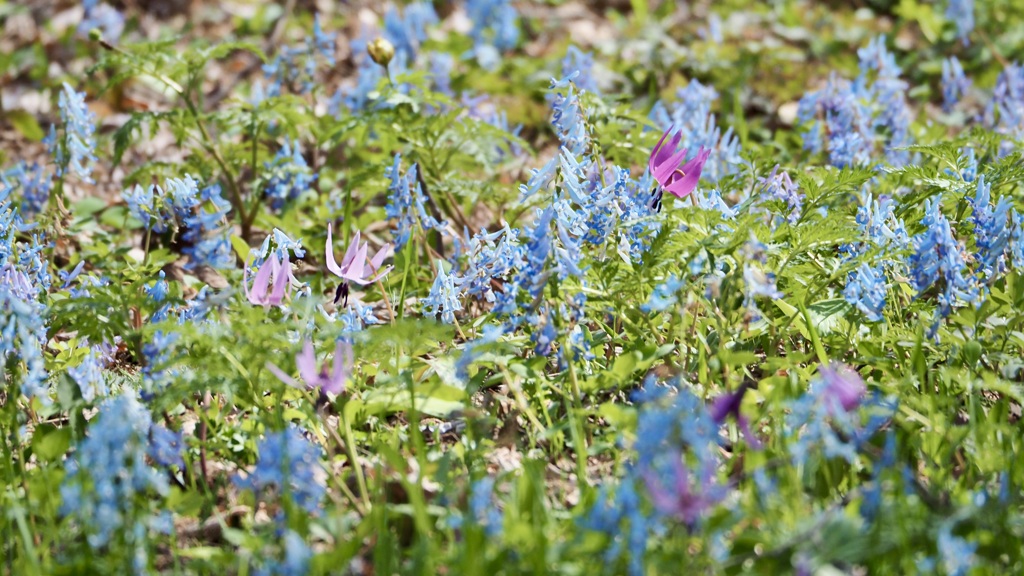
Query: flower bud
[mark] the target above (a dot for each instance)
(381, 51)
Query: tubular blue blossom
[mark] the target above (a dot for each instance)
(408, 30)
(489, 259)
(35, 186)
(407, 204)
(778, 186)
(865, 289)
(495, 23)
(961, 13)
(1004, 113)
(287, 462)
(287, 175)
(888, 94)
(76, 150)
(582, 62)
(837, 111)
(107, 473)
(954, 83)
(826, 414)
(444, 296)
(957, 554)
(664, 296)
(992, 229)
(570, 122)
(938, 256)
(89, 376)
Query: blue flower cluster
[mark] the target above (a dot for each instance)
(865, 289)
(581, 64)
(104, 17)
(288, 462)
(486, 258)
(182, 207)
(89, 375)
(855, 116)
(778, 186)
(961, 13)
(295, 561)
(938, 256)
(108, 479)
(407, 204)
(954, 83)
(444, 295)
(35, 184)
(1004, 113)
(294, 67)
(77, 144)
(691, 116)
(24, 277)
(495, 29)
(287, 175)
(992, 229)
(570, 123)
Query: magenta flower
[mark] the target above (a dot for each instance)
(270, 282)
(355, 267)
(664, 164)
(321, 380)
(843, 388)
(729, 405)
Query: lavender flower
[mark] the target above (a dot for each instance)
(826, 415)
(665, 162)
(692, 119)
(778, 186)
(355, 266)
(580, 63)
(992, 230)
(270, 282)
(321, 380)
(89, 376)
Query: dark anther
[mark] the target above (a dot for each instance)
(655, 202)
(340, 293)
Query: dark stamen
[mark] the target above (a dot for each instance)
(656, 195)
(341, 292)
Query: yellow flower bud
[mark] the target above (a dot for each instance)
(381, 51)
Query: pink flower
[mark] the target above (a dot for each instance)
(664, 165)
(354, 267)
(270, 282)
(332, 382)
(843, 388)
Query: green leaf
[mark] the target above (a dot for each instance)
(50, 443)
(26, 124)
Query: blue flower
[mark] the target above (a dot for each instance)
(778, 186)
(107, 473)
(961, 13)
(287, 175)
(992, 229)
(664, 296)
(954, 83)
(35, 186)
(938, 256)
(957, 555)
(865, 289)
(408, 30)
(495, 23)
(578, 61)
(444, 296)
(89, 375)
(104, 17)
(407, 204)
(287, 462)
(77, 148)
(1005, 111)
(165, 447)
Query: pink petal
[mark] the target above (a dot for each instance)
(352, 253)
(655, 159)
(280, 280)
(282, 376)
(262, 281)
(663, 174)
(342, 368)
(331, 264)
(382, 274)
(356, 271)
(379, 257)
(683, 186)
(306, 363)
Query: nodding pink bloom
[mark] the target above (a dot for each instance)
(270, 282)
(320, 379)
(354, 267)
(664, 164)
(843, 388)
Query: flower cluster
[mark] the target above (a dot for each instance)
(294, 67)
(287, 175)
(76, 146)
(288, 462)
(407, 204)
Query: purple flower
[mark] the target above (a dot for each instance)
(664, 165)
(354, 267)
(729, 405)
(842, 387)
(326, 382)
(678, 495)
(270, 282)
